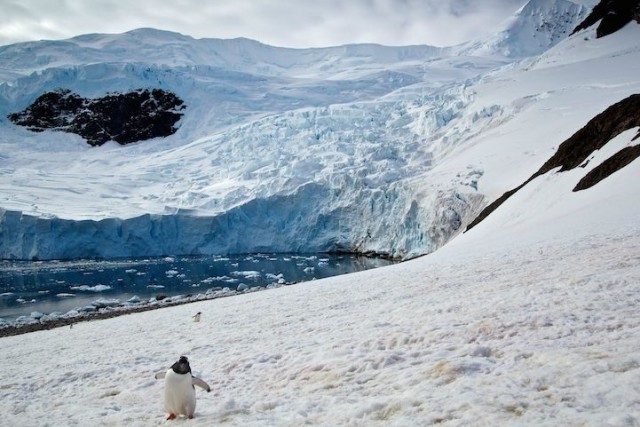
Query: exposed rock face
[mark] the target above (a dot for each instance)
(124, 118)
(614, 163)
(573, 152)
(612, 14)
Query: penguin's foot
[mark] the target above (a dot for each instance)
(171, 416)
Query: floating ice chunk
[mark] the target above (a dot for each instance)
(103, 303)
(65, 295)
(25, 320)
(36, 315)
(49, 317)
(96, 288)
(247, 274)
(171, 273)
(242, 287)
(134, 300)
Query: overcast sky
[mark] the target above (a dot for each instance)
(288, 23)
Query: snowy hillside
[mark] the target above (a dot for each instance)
(392, 150)
(530, 318)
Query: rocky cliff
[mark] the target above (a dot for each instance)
(122, 117)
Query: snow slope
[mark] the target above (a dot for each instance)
(530, 318)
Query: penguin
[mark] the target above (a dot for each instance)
(179, 390)
(196, 317)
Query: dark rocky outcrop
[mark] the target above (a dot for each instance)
(612, 15)
(121, 117)
(573, 152)
(617, 118)
(613, 164)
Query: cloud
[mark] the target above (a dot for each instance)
(291, 23)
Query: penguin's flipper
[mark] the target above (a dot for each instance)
(200, 383)
(160, 375)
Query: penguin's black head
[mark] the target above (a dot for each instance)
(181, 366)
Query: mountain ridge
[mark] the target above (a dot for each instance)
(536, 27)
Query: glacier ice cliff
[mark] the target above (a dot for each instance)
(315, 218)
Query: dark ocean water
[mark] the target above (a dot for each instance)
(61, 286)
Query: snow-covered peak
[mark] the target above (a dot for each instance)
(536, 27)
(168, 49)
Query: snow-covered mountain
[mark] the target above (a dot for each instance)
(390, 150)
(537, 26)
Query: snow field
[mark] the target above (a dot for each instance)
(544, 334)
(531, 318)
(517, 322)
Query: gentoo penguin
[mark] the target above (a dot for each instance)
(196, 317)
(179, 390)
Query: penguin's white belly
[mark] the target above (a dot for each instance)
(179, 394)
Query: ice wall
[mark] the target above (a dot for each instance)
(315, 218)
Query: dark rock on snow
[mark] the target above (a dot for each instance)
(613, 164)
(573, 152)
(124, 118)
(624, 115)
(612, 14)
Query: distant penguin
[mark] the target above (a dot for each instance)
(179, 390)
(196, 317)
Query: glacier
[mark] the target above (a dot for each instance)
(359, 148)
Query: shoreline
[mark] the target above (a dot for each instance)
(13, 329)
(107, 306)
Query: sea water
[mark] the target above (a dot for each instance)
(58, 287)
